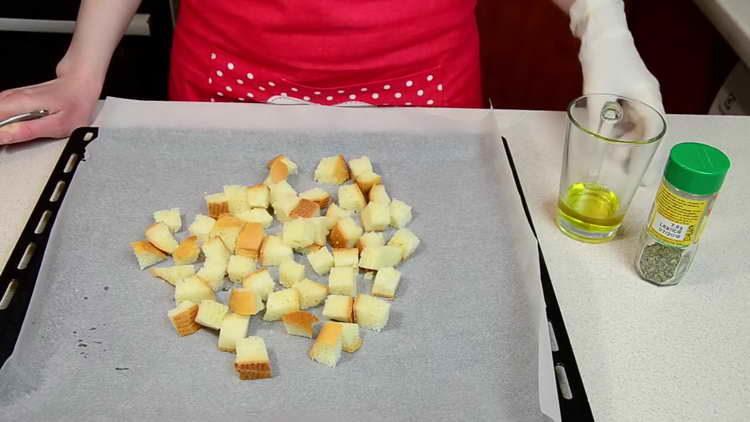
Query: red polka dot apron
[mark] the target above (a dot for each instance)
(365, 52)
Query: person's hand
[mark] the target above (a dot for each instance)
(611, 65)
(70, 99)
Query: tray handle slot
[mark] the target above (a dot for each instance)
(19, 276)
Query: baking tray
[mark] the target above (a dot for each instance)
(19, 277)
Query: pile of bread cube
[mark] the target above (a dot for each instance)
(339, 241)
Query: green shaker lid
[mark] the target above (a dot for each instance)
(696, 168)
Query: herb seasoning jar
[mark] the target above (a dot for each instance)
(692, 178)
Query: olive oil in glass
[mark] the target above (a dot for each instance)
(589, 212)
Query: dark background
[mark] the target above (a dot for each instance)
(529, 58)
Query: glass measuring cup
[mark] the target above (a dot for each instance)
(609, 142)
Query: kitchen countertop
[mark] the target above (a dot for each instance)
(645, 353)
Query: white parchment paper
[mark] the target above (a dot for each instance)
(462, 343)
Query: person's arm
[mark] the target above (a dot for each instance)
(610, 63)
(609, 60)
(73, 94)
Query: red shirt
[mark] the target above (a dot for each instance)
(379, 52)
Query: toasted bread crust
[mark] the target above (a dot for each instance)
(184, 321)
(329, 334)
(305, 209)
(337, 238)
(187, 252)
(302, 320)
(243, 302)
(250, 240)
(217, 207)
(278, 171)
(253, 370)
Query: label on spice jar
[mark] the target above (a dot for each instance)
(676, 219)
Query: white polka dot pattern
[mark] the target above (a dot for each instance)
(417, 89)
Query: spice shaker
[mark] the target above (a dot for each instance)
(692, 178)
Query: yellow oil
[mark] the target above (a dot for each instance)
(589, 212)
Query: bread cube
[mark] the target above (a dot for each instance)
(281, 190)
(240, 267)
(406, 240)
(173, 274)
(274, 251)
(305, 209)
(327, 347)
(258, 196)
(147, 254)
(378, 257)
(320, 226)
(215, 249)
(283, 207)
(376, 217)
(334, 214)
(291, 166)
(343, 281)
(212, 273)
(250, 240)
(367, 180)
(187, 251)
(298, 233)
(290, 272)
(281, 303)
(379, 194)
(400, 214)
(345, 257)
(252, 360)
(201, 227)
(310, 293)
(227, 228)
(371, 239)
(370, 312)
(351, 198)
(280, 168)
(345, 233)
(183, 318)
(321, 260)
(332, 170)
(236, 198)
(160, 236)
(257, 215)
(244, 301)
(308, 249)
(233, 328)
(170, 217)
(300, 323)
(192, 289)
(261, 283)
(211, 314)
(339, 308)
(317, 195)
(217, 204)
(360, 166)
(350, 339)
(386, 282)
